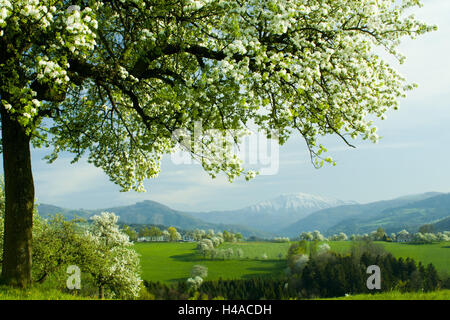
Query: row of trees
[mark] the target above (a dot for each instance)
(281, 239)
(152, 234)
(422, 236)
(404, 236)
(198, 273)
(227, 236)
(312, 236)
(209, 248)
(377, 235)
(419, 237)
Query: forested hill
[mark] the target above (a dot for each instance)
(442, 225)
(409, 216)
(393, 215)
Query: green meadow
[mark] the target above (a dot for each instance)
(437, 253)
(170, 261)
(37, 292)
(395, 295)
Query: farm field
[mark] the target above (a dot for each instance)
(437, 253)
(395, 295)
(169, 262)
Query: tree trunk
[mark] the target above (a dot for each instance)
(101, 292)
(19, 203)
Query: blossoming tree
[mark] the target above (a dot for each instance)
(113, 80)
(113, 263)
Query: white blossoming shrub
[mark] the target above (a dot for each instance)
(200, 271)
(194, 283)
(115, 264)
(443, 236)
(205, 247)
(323, 248)
(166, 235)
(217, 241)
(300, 262)
(229, 253)
(317, 236)
(281, 239)
(308, 236)
(338, 237)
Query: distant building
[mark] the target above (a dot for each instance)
(184, 238)
(152, 239)
(187, 238)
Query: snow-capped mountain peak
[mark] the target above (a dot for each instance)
(298, 201)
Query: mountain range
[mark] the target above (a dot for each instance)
(151, 213)
(289, 215)
(275, 214)
(364, 218)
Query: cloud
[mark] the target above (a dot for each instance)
(190, 187)
(427, 62)
(61, 178)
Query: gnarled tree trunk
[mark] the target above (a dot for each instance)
(19, 202)
(101, 292)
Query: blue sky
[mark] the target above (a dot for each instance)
(412, 157)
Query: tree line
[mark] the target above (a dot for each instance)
(425, 234)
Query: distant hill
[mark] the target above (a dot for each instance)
(274, 214)
(409, 216)
(46, 210)
(442, 225)
(151, 212)
(349, 218)
(289, 215)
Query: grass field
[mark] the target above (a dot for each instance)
(169, 262)
(395, 295)
(437, 253)
(36, 293)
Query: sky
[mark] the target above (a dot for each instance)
(412, 157)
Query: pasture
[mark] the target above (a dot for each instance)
(173, 261)
(437, 253)
(170, 262)
(395, 295)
